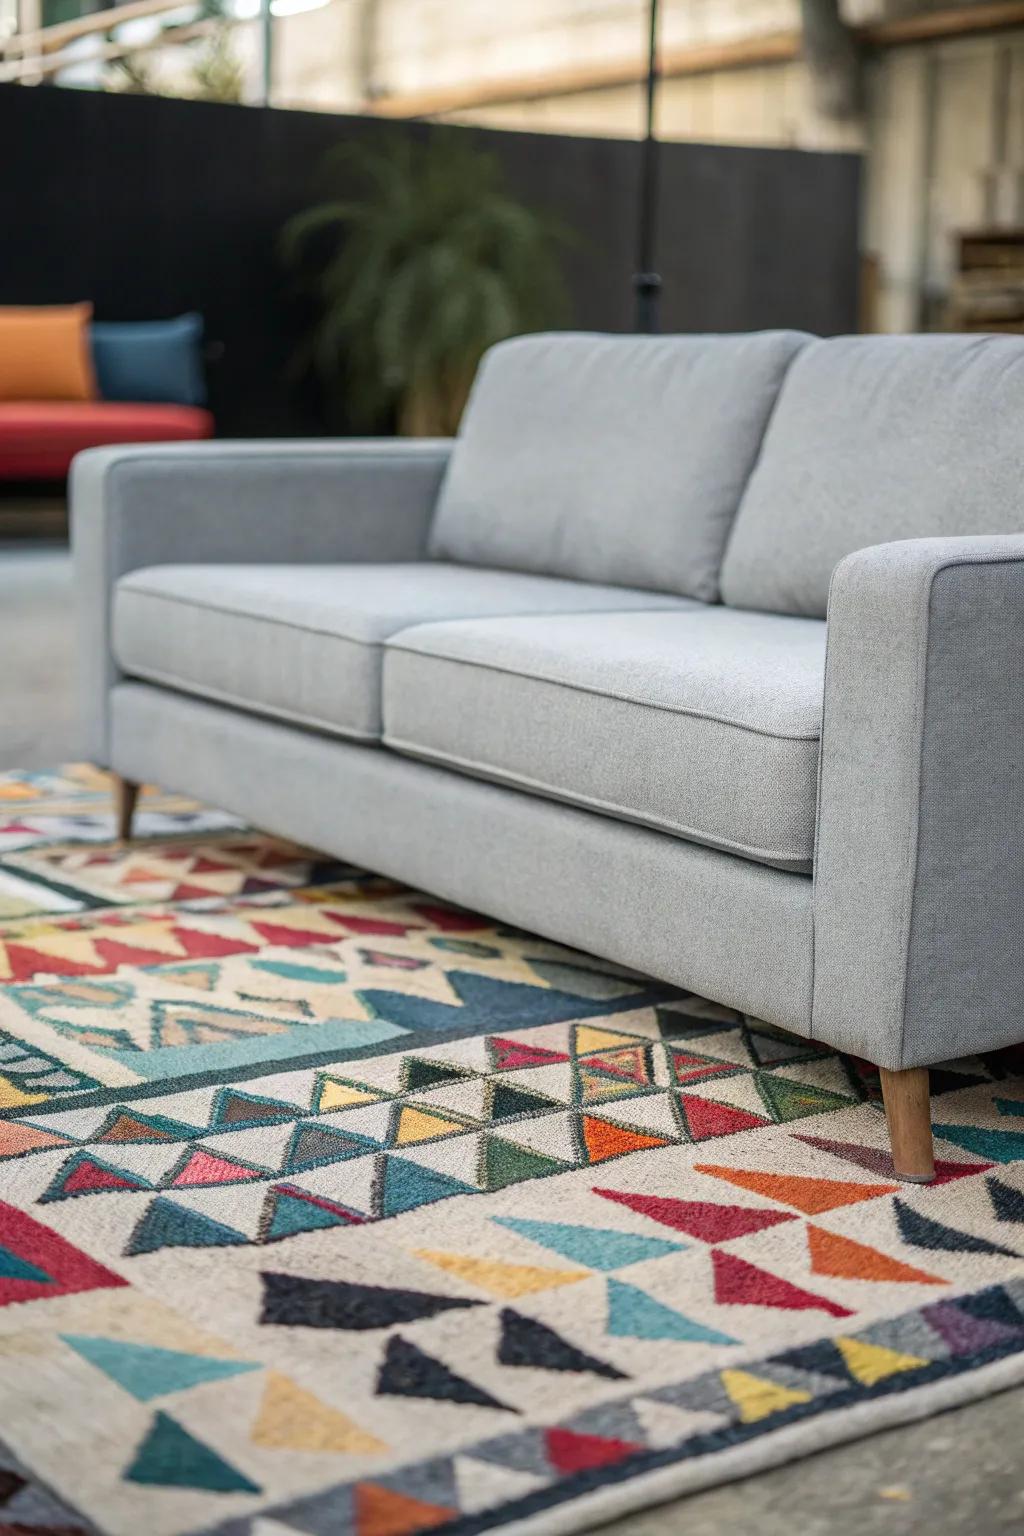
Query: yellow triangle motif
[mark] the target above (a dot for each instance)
(11, 1095)
(756, 1398)
(417, 1125)
(341, 1095)
(589, 1038)
(872, 1362)
(502, 1279)
(292, 1419)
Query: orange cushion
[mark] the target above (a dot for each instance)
(44, 353)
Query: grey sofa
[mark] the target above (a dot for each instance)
(704, 654)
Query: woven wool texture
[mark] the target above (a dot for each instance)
(328, 1209)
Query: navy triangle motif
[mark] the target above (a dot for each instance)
(925, 1232)
(1007, 1203)
(293, 1301)
(407, 1372)
(525, 1341)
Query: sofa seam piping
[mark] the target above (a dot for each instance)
(491, 774)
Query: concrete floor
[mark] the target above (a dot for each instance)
(962, 1472)
(38, 726)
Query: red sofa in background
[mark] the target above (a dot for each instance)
(69, 383)
(39, 438)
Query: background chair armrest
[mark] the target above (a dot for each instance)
(201, 503)
(919, 859)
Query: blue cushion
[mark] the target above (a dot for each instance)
(150, 360)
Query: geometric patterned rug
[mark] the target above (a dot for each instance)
(328, 1208)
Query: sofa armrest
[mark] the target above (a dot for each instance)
(919, 858)
(250, 502)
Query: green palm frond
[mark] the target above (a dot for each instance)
(417, 262)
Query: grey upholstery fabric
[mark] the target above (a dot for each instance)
(303, 642)
(919, 879)
(610, 458)
(213, 502)
(703, 723)
(723, 927)
(878, 438)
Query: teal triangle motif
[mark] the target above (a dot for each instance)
(169, 1457)
(318, 975)
(596, 1247)
(632, 1314)
(406, 1185)
(14, 1267)
(291, 1214)
(167, 1225)
(147, 1371)
(995, 1146)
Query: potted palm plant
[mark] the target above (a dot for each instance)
(418, 262)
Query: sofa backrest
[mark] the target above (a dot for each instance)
(877, 438)
(615, 459)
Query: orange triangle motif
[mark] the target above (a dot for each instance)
(845, 1259)
(16, 1138)
(604, 1140)
(812, 1196)
(383, 1512)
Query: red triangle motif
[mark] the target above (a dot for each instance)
(206, 1168)
(67, 1268)
(745, 1285)
(279, 933)
(203, 866)
(25, 962)
(210, 946)
(705, 1118)
(187, 892)
(510, 1054)
(690, 1069)
(375, 925)
(449, 920)
(116, 953)
(88, 1176)
(699, 1218)
(628, 1063)
(570, 1452)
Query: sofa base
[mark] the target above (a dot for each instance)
(737, 932)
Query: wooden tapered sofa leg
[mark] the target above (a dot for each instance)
(125, 796)
(908, 1112)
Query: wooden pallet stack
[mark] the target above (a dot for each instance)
(987, 292)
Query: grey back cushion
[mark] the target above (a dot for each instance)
(610, 458)
(877, 438)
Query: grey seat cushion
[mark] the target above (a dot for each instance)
(610, 458)
(877, 438)
(303, 642)
(704, 723)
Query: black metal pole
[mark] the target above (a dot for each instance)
(646, 281)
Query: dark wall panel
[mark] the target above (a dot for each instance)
(149, 207)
